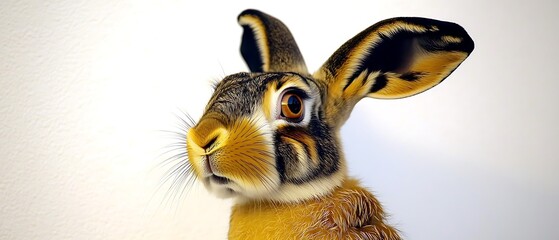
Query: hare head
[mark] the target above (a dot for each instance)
(272, 134)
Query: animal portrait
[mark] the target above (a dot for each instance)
(287, 119)
(269, 138)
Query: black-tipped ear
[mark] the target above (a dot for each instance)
(267, 44)
(395, 58)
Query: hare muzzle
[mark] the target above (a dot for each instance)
(232, 158)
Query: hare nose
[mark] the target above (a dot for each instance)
(207, 136)
(205, 142)
(209, 145)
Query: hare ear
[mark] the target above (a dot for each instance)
(267, 44)
(395, 58)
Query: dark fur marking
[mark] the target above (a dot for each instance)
(326, 148)
(412, 76)
(250, 50)
(380, 83)
(281, 147)
(394, 53)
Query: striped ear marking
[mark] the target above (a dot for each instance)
(267, 44)
(396, 58)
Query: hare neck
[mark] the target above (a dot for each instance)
(296, 193)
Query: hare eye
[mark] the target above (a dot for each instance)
(292, 107)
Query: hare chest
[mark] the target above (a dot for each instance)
(349, 212)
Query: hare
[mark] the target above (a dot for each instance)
(270, 138)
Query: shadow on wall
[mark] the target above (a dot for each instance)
(431, 195)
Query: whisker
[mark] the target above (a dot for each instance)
(179, 176)
(176, 148)
(181, 135)
(183, 173)
(191, 122)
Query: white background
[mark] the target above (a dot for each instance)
(85, 87)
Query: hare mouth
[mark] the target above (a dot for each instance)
(212, 176)
(218, 179)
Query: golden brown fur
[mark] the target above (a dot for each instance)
(349, 212)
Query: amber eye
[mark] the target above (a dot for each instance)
(292, 107)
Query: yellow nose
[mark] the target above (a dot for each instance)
(206, 137)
